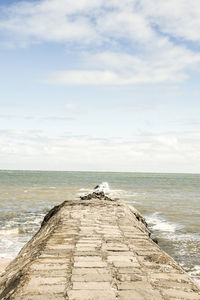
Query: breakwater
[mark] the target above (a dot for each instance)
(94, 248)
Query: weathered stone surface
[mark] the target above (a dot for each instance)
(94, 249)
(91, 285)
(91, 295)
(89, 277)
(140, 295)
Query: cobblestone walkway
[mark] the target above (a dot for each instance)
(95, 250)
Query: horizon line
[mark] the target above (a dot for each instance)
(87, 171)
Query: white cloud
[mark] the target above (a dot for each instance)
(111, 68)
(40, 118)
(138, 35)
(164, 152)
(69, 106)
(47, 21)
(63, 20)
(138, 106)
(125, 24)
(180, 18)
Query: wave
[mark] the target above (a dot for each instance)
(157, 223)
(186, 237)
(12, 231)
(105, 187)
(10, 246)
(195, 273)
(16, 232)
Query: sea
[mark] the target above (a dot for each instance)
(169, 202)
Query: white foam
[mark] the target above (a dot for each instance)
(156, 222)
(10, 246)
(195, 273)
(103, 187)
(38, 220)
(197, 268)
(6, 242)
(6, 232)
(186, 237)
(164, 226)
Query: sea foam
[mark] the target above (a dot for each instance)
(157, 223)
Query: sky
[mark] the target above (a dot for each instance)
(97, 85)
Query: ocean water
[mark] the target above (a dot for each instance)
(169, 202)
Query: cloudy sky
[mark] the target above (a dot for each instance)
(100, 85)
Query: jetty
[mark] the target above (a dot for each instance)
(95, 248)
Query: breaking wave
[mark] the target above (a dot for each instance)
(157, 223)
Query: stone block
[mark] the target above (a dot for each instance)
(139, 295)
(91, 277)
(170, 276)
(91, 295)
(86, 253)
(122, 258)
(88, 258)
(80, 271)
(178, 294)
(162, 283)
(40, 297)
(133, 270)
(86, 249)
(49, 267)
(91, 285)
(131, 277)
(54, 273)
(134, 286)
(126, 264)
(38, 280)
(119, 253)
(115, 248)
(43, 289)
(90, 264)
(64, 247)
(89, 245)
(53, 260)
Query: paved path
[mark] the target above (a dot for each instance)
(95, 250)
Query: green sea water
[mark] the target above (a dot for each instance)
(169, 202)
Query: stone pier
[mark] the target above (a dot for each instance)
(95, 249)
